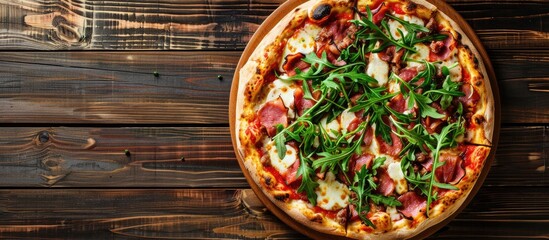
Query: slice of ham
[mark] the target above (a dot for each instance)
(353, 125)
(386, 185)
(390, 149)
(471, 96)
(291, 174)
(380, 14)
(408, 73)
(362, 160)
(368, 136)
(301, 103)
(440, 50)
(412, 204)
(398, 103)
(272, 114)
(452, 171)
(335, 37)
(294, 61)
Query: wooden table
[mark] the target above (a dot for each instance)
(93, 144)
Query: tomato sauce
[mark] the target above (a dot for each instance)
(280, 179)
(324, 212)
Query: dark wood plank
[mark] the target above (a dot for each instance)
(95, 157)
(109, 87)
(148, 24)
(238, 214)
(119, 87)
(497, 22)
(523, 78)
(201, 24)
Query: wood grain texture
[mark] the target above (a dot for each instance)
(110, 87)
(200, 213)
(95, 157)
(202, 24)
(148, 24)
(119, 87)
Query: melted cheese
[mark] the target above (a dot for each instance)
(378, 69)
(421, 54)
(285, 91)
(455, 73)
(330, 127)
(392, 211)
(345, 120)
(394, 26)
(303, 41)
(331, 194)
(281, 165)
(395, 172)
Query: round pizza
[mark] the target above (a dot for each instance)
(365, 119)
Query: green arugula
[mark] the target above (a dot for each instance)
(363, 186)
(418, 138)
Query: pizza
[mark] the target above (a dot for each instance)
(365, 119)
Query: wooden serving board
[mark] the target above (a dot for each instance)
(268, 24)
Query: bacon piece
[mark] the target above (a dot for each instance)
(390, 149)
(341, 216)
(471, 96)
(412, 204)
(335, 37)
(440, 50)
(386, 185)
(272, 114)
(408, 74)
(427, 163)
(388, 54)
(291, 174)
(368, 136)
(301, 103)
(398, 103)
(362, 160)
(294, 61)
(452, 171)
(380, 14)
(353, 125)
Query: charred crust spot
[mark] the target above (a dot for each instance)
(316, 218)
(475, 60)
(321, 10)
(479, 119)
(297, 9)
(281, 196)
(268, 181)
(458, 36)
(411, 7)
(257, 71)
(478, 82)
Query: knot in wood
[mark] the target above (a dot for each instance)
(43, 137)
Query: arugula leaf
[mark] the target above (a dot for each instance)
(308, 185)
(363, 185)
(446, 138)
(410, 27)
(421, 100)
(280, 142)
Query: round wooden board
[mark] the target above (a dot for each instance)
(266, 26)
